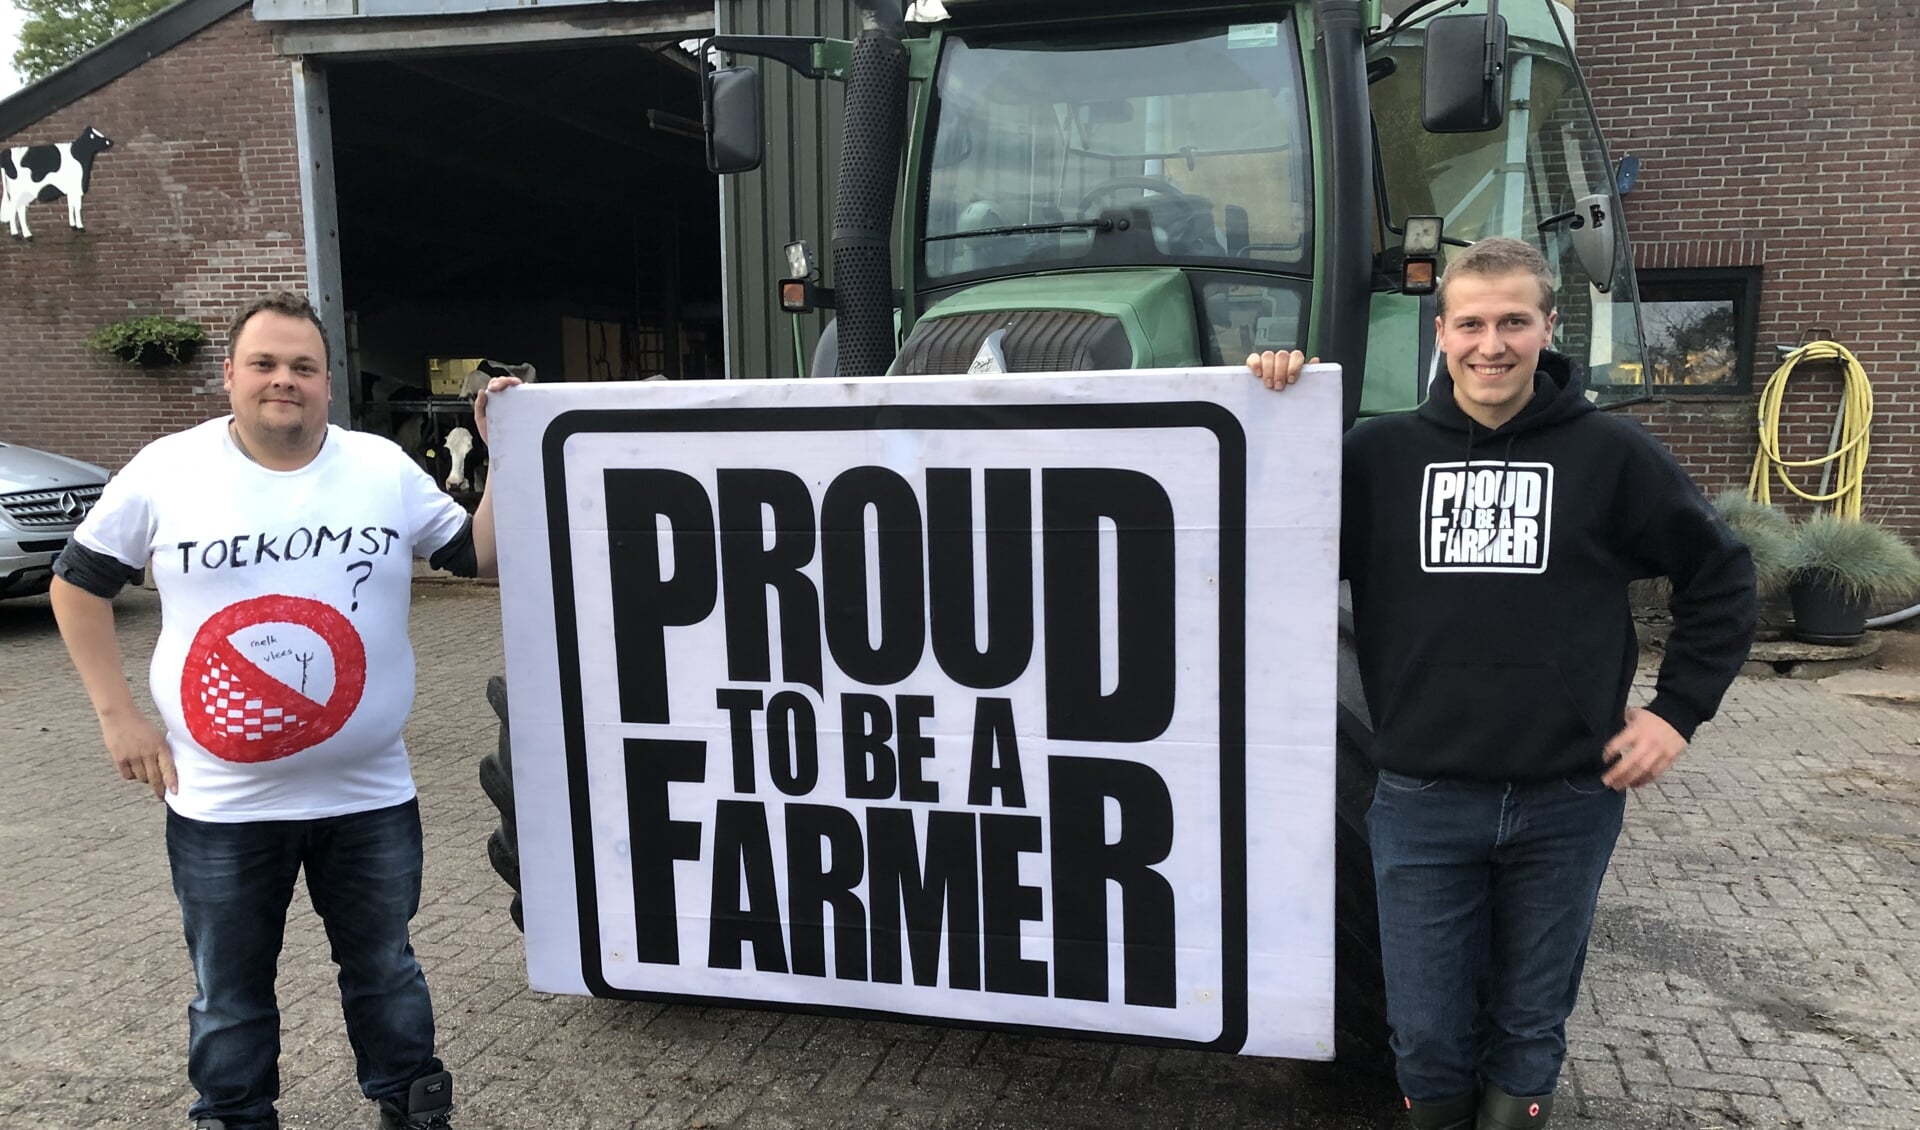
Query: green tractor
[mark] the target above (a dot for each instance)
(1132, 185)
(1105, 184)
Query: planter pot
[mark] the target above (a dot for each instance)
(1822, 615)
(153, 355)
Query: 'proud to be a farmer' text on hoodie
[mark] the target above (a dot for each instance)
(1490, 570)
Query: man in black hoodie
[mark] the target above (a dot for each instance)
(1489, 539)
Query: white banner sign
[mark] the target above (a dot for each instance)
(1002, 701)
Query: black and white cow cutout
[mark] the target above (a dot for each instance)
(30, 174)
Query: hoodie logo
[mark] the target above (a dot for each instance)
(1486, 517)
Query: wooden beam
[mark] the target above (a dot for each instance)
(363, 37)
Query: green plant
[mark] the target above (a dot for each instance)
(1862, 561)
(1767, 534)
(56, 32)
(150, 339)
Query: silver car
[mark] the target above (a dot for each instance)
(42, 498)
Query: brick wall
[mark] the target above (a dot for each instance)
(1783, 134)
(194, 210)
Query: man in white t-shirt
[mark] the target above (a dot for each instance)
(283, 552)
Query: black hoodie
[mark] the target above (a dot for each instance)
(1490, 570)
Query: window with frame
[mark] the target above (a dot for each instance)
(1700, 328)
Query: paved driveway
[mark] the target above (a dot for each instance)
(1753, 963)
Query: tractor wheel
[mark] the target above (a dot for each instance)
(1359, 987)
(1360, 1030)
(505, 860)
(496, 780)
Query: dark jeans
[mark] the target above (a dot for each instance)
(234, 882)
(1486, 900)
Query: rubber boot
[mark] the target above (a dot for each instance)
(1501, 1111)
(1447, 1114)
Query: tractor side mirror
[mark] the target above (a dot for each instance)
(1464, 68)
(731, 108)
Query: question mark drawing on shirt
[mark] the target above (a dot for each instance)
(367, 571)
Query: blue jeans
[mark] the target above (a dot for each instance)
(234, 883)
(1486, 896)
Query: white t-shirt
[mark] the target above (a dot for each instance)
(283, 671)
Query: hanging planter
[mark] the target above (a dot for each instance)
(1840, 569)
(151, 341)
(157, 355)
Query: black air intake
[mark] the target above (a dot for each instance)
(1037, 341)
(863, 207)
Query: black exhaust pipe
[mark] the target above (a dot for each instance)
(1346, 284)
(870, 157)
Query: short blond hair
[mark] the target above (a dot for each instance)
(1499, 255)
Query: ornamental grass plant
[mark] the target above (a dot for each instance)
(1862, 561)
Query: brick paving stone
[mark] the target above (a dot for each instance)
(1751, 964)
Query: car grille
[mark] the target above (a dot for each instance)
(44, 509)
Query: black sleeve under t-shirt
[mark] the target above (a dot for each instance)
(457, 556)
(101, 574)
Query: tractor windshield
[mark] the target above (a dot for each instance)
(1178, 145)
(1526, 179)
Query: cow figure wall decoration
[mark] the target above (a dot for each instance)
(32, 174)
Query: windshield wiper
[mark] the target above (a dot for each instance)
(1057, 225)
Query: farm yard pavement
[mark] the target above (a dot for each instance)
(1753, 962)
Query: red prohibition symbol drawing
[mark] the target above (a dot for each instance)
(239, 712)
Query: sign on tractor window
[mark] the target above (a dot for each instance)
(1003, 702)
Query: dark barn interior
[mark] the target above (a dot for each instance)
(549, 207)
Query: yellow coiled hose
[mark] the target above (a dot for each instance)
(1848, 450)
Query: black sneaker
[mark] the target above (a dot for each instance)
(208, 1124)
(428, 1105)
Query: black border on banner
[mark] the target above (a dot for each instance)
(1211, 417)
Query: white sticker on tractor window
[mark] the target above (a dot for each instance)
(1253, 35)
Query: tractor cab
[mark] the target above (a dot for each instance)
(1185, 186)
(1176, 154)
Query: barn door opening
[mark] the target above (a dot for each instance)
(545, 206)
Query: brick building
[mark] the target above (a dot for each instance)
(1778, 144)
(1779, 147)
(513, 184)
(195, 206)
